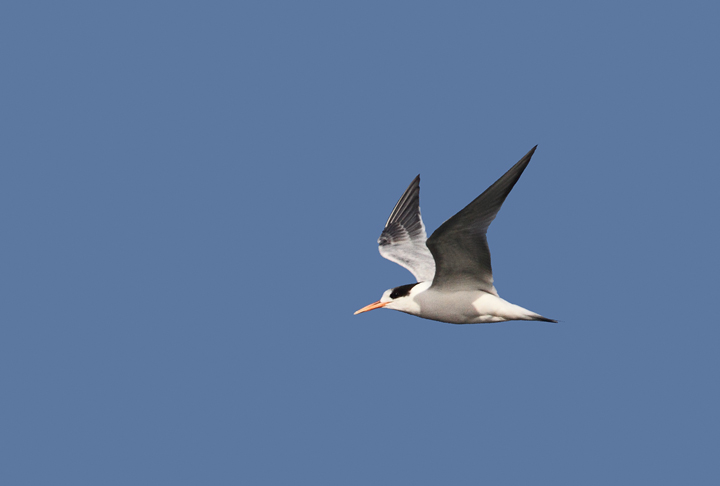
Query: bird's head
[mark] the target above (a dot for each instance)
(399, 298)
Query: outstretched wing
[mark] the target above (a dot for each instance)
(403, 239)
(459, 246)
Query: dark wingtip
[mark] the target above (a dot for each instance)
(530, 153)
(544, 319)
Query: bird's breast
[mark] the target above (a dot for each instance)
(460, 307)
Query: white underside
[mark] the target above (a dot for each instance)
(459, 307)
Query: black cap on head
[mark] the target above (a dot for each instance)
(401, 291)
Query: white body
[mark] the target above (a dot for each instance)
(457, 307)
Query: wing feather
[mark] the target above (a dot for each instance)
(459, 246)
(403, 239)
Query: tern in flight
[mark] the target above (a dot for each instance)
(452, 267)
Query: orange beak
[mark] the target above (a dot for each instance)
(374, 305)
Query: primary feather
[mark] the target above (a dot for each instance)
(403, 239)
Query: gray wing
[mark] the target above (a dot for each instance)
(403, 239)
(460, 246)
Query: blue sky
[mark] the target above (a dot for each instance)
(191, 195)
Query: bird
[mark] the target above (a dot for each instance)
(452, 268)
